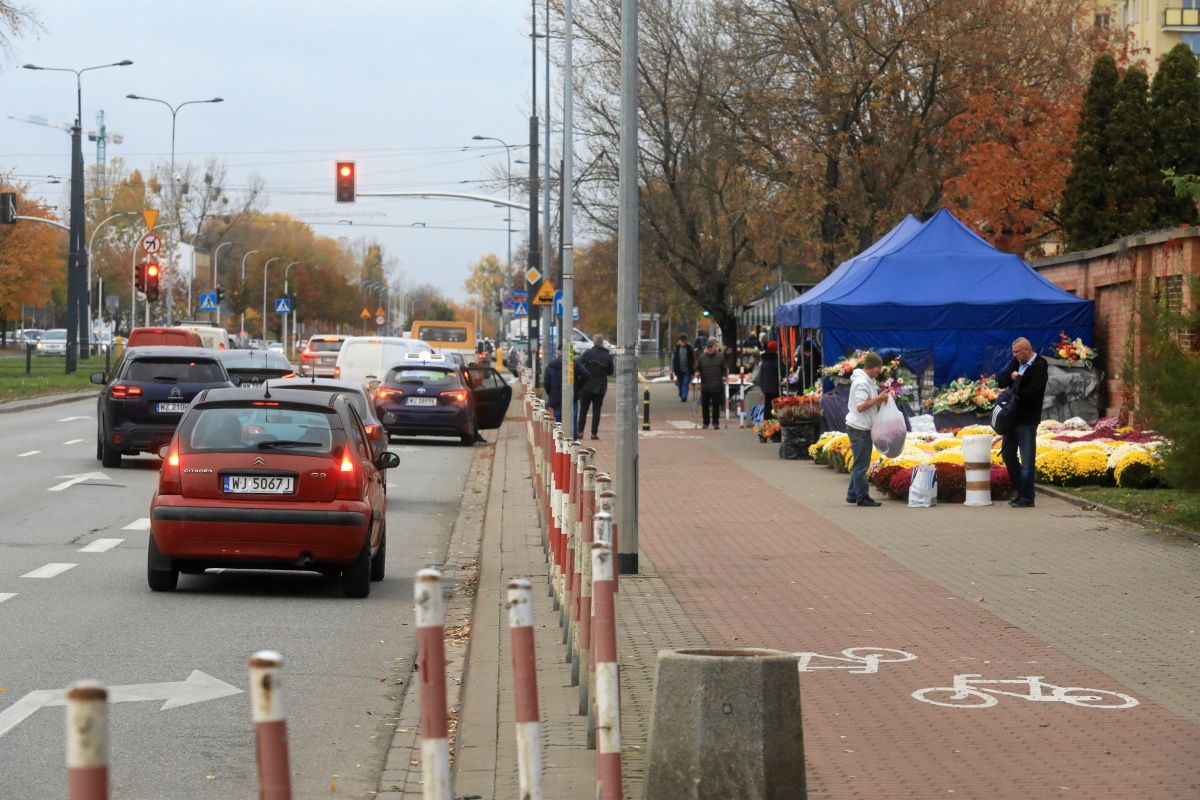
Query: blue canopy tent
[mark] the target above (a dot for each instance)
(943, 288)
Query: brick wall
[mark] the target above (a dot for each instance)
(1114, 276)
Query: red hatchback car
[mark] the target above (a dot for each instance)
(270, 479)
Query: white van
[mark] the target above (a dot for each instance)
(212, 337)
(363, 359)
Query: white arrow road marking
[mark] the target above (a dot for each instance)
(142, 524)
(80, 478)
(48, 570)
(73, 441)
(30, 453)
(100, 546)
(6, 596)
(72, 419)
(198, 688)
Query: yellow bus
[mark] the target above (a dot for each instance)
(447, 337)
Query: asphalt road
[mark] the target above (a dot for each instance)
(344, 659)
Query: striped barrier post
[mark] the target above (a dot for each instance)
(608, 686)
(556, 523)
(602, 531)
(87, 741)
(524, 661)
(431, 663)
(577, 525)
(570, 515)
(583, 628)
(607, 502)
(977, 459)
(270, 726)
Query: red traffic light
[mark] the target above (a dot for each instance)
(344, 182)
(152, 270)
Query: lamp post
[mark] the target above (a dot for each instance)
(77, 296)
(508, 187)
(266, 266)
(286, 344)
(216, 254)
(242, 289)
(91, 241)
(174, 202)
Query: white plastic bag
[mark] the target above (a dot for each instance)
(922, 423)
(889, 431)
(922, 491)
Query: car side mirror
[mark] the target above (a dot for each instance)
(373, 385)
(164, 451)
(387, 460)
(98, 378)
(235, 380)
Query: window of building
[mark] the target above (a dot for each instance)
(1192, 40)
(1103, 21)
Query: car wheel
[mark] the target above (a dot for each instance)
(99, 447)
(379, 562)
(356, 577)
(109, 456)
(161, 572)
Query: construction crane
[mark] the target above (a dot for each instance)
(101, 135)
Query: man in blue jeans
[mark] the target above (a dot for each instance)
(1026, 372)
(683, 366)
(864, 402)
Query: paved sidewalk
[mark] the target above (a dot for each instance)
(741, 549)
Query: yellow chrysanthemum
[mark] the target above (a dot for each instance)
(1055, 467)
(1090, 466)
(946, 444)
(948, 457)
(1137, 470)
(976, 430)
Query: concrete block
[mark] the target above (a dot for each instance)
(726, 725)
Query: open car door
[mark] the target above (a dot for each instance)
(492, 396)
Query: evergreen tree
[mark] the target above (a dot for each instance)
(1084, 201)
(1134, 179)
(1175, 106)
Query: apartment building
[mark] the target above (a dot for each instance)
(1155, 26)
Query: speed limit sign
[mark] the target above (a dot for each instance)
(151, 244)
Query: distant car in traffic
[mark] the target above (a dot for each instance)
(275, 346)
(363, 359)
(53, 343)
(145, 397)
(252, 367)
(428, 395)
(163, 337)
(319, 356)
(258, 479)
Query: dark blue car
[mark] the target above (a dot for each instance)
(147, 393)
(431, 396)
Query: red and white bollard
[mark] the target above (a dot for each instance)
(555, 519)
(608, 681)
(606, 500)
(431, 663)
(524, 660)
(577, 525)
(583, 609)
(87, 741)
(270, 726)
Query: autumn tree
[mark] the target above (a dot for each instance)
(32, 259)
(1085, 196)
(1175, 109)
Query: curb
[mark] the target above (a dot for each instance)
(1193, 536)
(13, 406)
(401, 776)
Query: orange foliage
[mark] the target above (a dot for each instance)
(32, 258)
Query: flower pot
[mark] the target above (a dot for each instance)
(797, 435)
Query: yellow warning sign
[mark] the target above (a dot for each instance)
(379, 311)
(545, 295)
(151, 217)
(366, 314)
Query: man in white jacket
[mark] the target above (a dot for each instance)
(864, 403)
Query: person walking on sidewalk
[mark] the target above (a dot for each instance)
(683, 366)
(768, 378)
(1029, 375)
(552, 383)
(599, 365)
(711, 366)
(865, 400)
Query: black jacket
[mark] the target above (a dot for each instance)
(683, 363)
(768, 373)
(1031, 390)
(599, 365)
(553, 378)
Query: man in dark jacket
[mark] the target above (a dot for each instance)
(768, 378)
(552, 381)
(599, 365)
(683, 366)
(1027, 373)
(711, 366)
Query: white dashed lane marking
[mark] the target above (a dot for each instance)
(6, 595)
(73, 441)
(142, 524)
(49, 571)
(100, 545)
(30, 453)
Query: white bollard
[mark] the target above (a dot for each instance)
(525, 692)
(977, 458)
(270, 726)
(431, 659)
(87, 741)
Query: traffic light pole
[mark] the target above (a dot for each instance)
(75, 252)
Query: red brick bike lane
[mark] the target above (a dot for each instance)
(755, 568)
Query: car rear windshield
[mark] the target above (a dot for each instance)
(442, 334)
(324, 345)
(263, 429)
(54, 335)
(356, 399)
(255, 359)
(175, 370)
(424, 376)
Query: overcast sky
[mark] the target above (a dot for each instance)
(400, 86)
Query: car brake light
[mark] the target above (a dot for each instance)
(288, 375)
(168, 482)
(348, 487)
(307, 356)
(457, 395)
(384, 394)
(337, 372)
(373, 431)
(264, 403)
(122, 392)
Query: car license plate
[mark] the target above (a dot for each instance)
(258, 484)
(171, 408)
(251, 384)
(422, 401)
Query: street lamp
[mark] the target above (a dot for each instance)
(216, 254)
(508, 187)
(92, 241)
(286, 344)
(77, 296)
(264, 311)
(242, 289)
(174, 202)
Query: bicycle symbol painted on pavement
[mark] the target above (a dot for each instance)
(971, 691)
(855, 660)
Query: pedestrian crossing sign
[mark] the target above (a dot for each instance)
(208, 301)
(283, 305)
(521, 308)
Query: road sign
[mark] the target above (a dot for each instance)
(151, 244)
(545, 295)
(151, 217)
(208, 301)
(575, 313)
(112, 302)
(282, 305)
(379, 312)
(558, 306)
(532, 275)
(365, 314)
(380, 319)
(521, 309)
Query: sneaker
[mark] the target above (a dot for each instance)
(1022, 504)
(594, 436)
(867, 501)
(851, 499)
